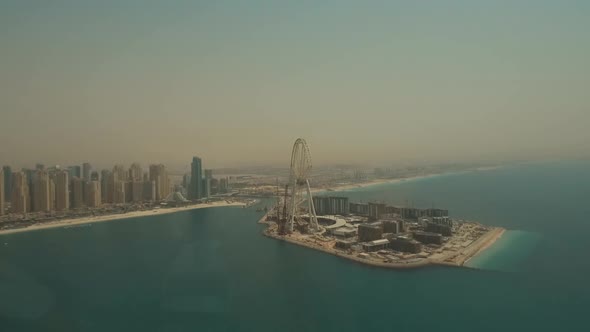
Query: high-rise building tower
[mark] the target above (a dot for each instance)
(92, 194)
(209, 173)
(1, 192)
(51, 194)
(105, 176)
(7, 182)
(160, 177)
(223, 185)
(116, 188)
(86, 170)
(196, 187)
(94, 176)
(77, 192)
(20, 193)
(62, 191)
(149, 190)
(186, 181)
(135, 172)
(42, 192)
(75, 172)
(206, 187)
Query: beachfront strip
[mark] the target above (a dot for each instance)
(86, 219)
(381, 235)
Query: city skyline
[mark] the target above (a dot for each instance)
(385, 82)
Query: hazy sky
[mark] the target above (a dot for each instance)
(236, 82)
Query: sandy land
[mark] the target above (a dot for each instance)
(133, 214)
(352, 257)
(486, 241)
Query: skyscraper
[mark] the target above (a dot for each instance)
(86, 170)
(1, 192)
(196, 187)
(7, 182)
(160, 177)
(206, 187)
(20, 193)
(149, 190)
(105, 177)
(209, 173)
(92, 194)
(42, 192)
(77, 192)
(62, 191)
(75, 171)
(136, 191)
(135, 172)
(186, 181)
(116, 188)
(223, 185)
(94, 176)
(51, 194)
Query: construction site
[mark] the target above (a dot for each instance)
(373, 233)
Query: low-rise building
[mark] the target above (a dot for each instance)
(376, 245)
(427, 237)
(370, 232)
(404, 244)
(445, 230)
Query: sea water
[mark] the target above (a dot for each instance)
(212, 270)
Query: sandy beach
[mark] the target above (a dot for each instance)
(369, 183)
(486, 242)
(133, 214)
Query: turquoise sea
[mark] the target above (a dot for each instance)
(212, 270)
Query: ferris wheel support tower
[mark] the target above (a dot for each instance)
(299, 185)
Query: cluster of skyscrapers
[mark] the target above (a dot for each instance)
(201, 183)
(60, 189)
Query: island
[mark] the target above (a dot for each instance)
(383, 235)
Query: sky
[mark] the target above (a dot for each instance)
(236, 82)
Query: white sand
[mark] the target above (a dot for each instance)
(133, 214)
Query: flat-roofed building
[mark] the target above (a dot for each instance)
(404, 244)
(376, 210)
(359, 208)
(427, 237)
(370, 232)
(376, 245)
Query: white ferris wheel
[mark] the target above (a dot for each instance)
(301, 209)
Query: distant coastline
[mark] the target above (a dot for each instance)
(370, 183)
(111, 217)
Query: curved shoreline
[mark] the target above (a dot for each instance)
(112, 217)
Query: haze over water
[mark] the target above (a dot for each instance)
(211, 269)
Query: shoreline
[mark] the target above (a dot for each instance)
(350, 186)
(490, 242)
(457, 260)
(112, 217)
